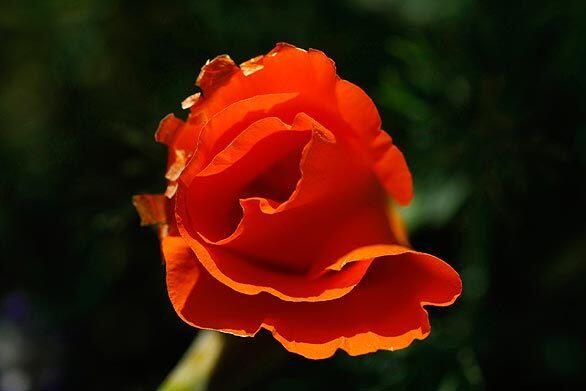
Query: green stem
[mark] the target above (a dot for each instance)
(193, 371)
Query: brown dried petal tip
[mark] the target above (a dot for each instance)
(252, 65)
(151, 208)
(175, 170)
(215, 72)
(167, 129)
(190, 101)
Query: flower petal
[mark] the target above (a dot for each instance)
(151, 208)
(392, 170)
(286, 69)
(383, 312)
(359, 111)
(340, 105)
(227, 124)
(340, 196)
(288, 287)
(215, 73)
(180, 137)
(208, 200)
(204, 207)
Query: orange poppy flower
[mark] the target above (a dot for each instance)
(277, 216)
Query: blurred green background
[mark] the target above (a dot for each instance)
(486, 99)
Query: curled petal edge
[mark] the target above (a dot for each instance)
(342, 284)
(207, 261)
(358, 344)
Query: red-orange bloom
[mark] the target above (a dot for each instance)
(277, 215)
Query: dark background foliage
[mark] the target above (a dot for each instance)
(487, 99)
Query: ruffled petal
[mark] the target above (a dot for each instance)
(285, 69)
(339, 196)
(383, 312)
(227, 124)
(357, 110)
(229, 268)
(340, 105)
(181, 138)
(337, 206)
(209, 199)
(391, 168)
(204, 206)
(216, 73)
